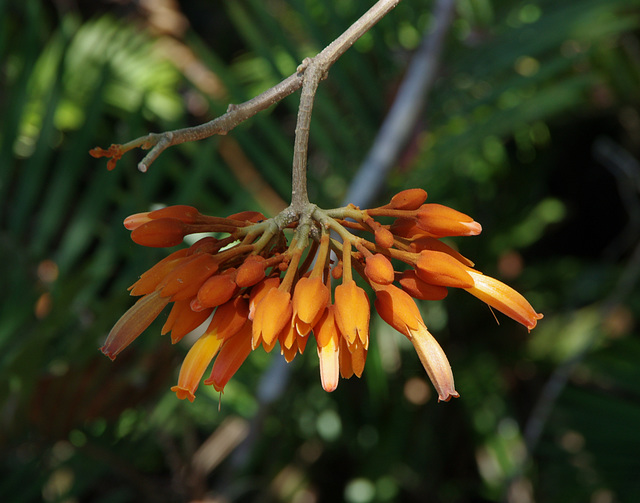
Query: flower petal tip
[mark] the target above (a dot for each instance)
(183, 393)
(474, 228)
(447, 397)
(108, 353)
(533, 321)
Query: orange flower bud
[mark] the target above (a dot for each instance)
(259, 291)
(352, 312)
(439, 268)
(132, 323)
(503, 298)
(398, 309)
(379, 269)
(251, 271)
(136, 220)
(186, 214)
(229, 318)
(232, 355)
(384, 237)
(185, 281)
(194, 365)
(440, 221)
(429, 243)
(418, 289)
(435, 362)
(409, 199)
(310, 299)
(271, 316)
(216, 291)
(160, 233)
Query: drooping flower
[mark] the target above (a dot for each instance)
(266, 287)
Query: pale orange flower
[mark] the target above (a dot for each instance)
(399, 310)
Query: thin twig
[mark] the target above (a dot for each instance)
(405, 111)
(237, 114)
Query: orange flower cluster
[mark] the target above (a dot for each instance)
(262, 282)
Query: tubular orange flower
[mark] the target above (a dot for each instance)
(259, 291)
(328, 342)
(272, 315)
(429, 243)
(503, 298)
(399, 310)
(195, 363)
(234, 352)
(329, 357)
(229, 318)
(352, 312)
(438, 268)
(441, 221)
(310, 299)
(435, 362)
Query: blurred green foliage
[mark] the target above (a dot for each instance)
(532, 128)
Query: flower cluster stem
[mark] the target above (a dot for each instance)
(312, 76)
